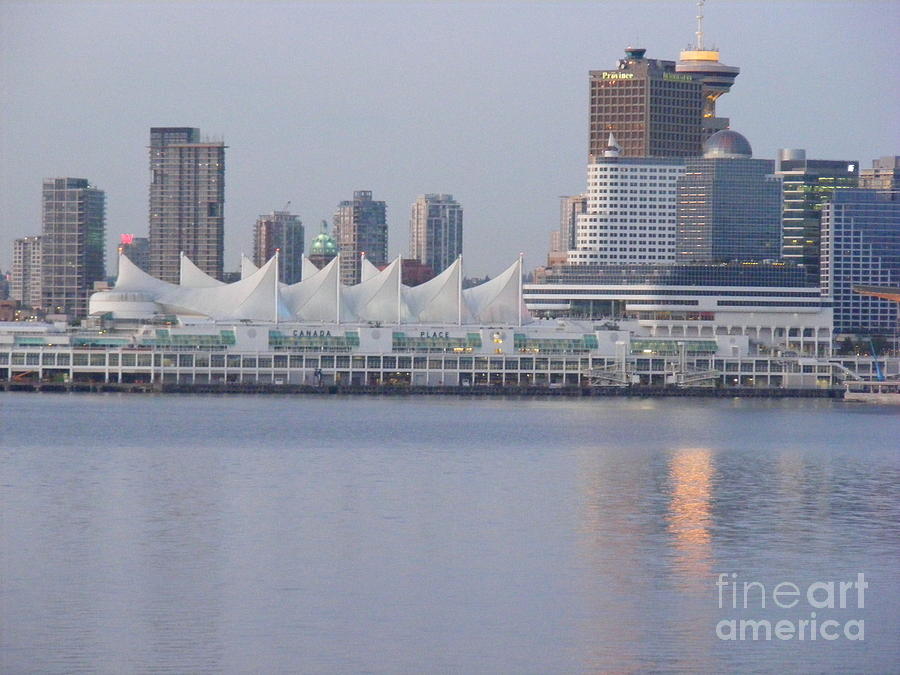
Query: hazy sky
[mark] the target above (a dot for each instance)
(484, 100)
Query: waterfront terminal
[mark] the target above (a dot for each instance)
(381, 334)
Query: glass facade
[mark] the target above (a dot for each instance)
(724, 274)
(728, 209)
(861, 247)
(807, 185)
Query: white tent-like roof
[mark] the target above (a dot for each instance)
(438, 300)
(316, 298)
(320, 297)
(367, 269)
(307, 268)
(500, 299)
(192, 276)
(247, 267)
(378, 298)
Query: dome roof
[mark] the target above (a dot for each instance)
(323, 244)
(728, 144)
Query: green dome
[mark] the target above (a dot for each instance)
(323, 244)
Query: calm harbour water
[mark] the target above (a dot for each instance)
(330, 535)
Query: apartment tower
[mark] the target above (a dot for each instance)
(187, 202)
(360, 226)
(25, 281)
(72, 255)
(280, 231)
(436, 231)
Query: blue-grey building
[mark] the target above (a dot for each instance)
(807, 184)
(728, 204)
(861, 247)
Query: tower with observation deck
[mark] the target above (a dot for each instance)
(715, 77)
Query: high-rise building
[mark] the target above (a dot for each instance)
(436, 231)
(72, 255)
(653, 110)
(861, 247)
(137, 249)
(714, 76)
(360, 226)
(630, 210)
(324, 248)
(570, 207)
(729, 204)
(25, 282)
(187, 202)
(807, 184)
(884, 174)
(280, 231)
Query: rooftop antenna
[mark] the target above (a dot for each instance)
(699, 32)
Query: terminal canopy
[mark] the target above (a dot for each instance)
(380, 297)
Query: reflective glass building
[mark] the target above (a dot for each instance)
(807, 185)
(729, 204)
(861, 247)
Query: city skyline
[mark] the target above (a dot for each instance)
(372, 119)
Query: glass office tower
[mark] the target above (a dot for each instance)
(807, 185)
(729, 204)
(861, 247)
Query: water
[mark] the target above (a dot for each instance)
(383, 535)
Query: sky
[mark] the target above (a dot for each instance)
(483, 100)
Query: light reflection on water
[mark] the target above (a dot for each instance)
(270, 534)
(690, 516)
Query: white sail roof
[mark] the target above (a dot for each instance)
(253, 298)
(307, 268)
(498, 300)
(192, 276)
(133, 278)
(247, 267)
(438, 300)
(376, 299)
(320, 297)
(315, 298)
(367, 270)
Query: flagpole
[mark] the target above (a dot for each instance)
(277, 251)
(520, 289)
(459, 289)
(338, 277)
